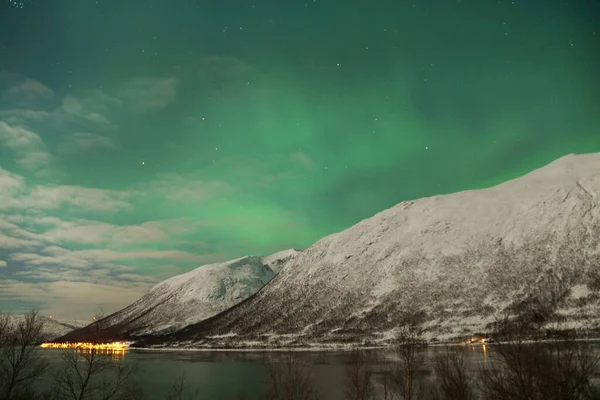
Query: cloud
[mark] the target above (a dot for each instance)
(99, 101)
(27, 146)
(23, 92)
(14, 243)
(77, 122)
(20, 116)
(10, 182)
(31, 87)
(55, 263)
(11, 187)
(72, 299)
(175, 188)
(84, 141)
(72, 106)
(15, 194)
(94, 232)
(15, 230)
(73, 112)
(144, 95)
(50, 255)
(59, 263)
(89, 199)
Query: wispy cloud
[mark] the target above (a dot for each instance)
(73, 299)
(88, 259)
(27, 146)
(60, 247)
(176, 188)
(145, 95)
(78, 122)
(72, 106)
(45, 251)
(10, 182)
(21, 91)
(77, 142)
(15, 194)
(89, 199)
(14, 243)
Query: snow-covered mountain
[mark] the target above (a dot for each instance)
(52, 328)
(458, 262)
(189, 298)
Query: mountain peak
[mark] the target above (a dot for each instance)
(188, 298)
(461, 259)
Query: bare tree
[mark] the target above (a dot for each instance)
(452, 378)
(4, 328)
(385, 386)
(100, 314)
(290, 381)
(411, 359)
(357, 383)
(91, 374)
(178, 389)
(20, 361)
(560, 369)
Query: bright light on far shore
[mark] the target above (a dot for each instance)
(117, 346)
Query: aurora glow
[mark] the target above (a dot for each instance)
(140, 140)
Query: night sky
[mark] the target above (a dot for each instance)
(142, 139)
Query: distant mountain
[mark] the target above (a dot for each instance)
(53, 328)
(188, 298)
(457, 262)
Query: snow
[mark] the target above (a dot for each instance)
(462, 259)
(580, 291)
(277, 260)
(194, 296)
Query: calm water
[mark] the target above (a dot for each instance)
(221, 375)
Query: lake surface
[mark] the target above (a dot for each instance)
(220, 375)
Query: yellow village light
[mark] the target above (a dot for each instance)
(116, 346)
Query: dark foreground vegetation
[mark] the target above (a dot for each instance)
(521, 367)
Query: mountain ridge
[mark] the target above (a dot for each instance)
(187, 298)
(462, 260)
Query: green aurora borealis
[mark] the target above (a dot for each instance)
(141, 139)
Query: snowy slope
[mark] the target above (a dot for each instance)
(191, 297)
(460, 260)
(277, 260)
(53, 328)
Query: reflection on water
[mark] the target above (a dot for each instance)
(481, 350)
(115, 354)
(220, 375)
(115, 350)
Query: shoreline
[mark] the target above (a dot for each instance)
(344, 348)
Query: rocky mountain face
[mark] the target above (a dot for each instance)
(456, 262)
(187, 299)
